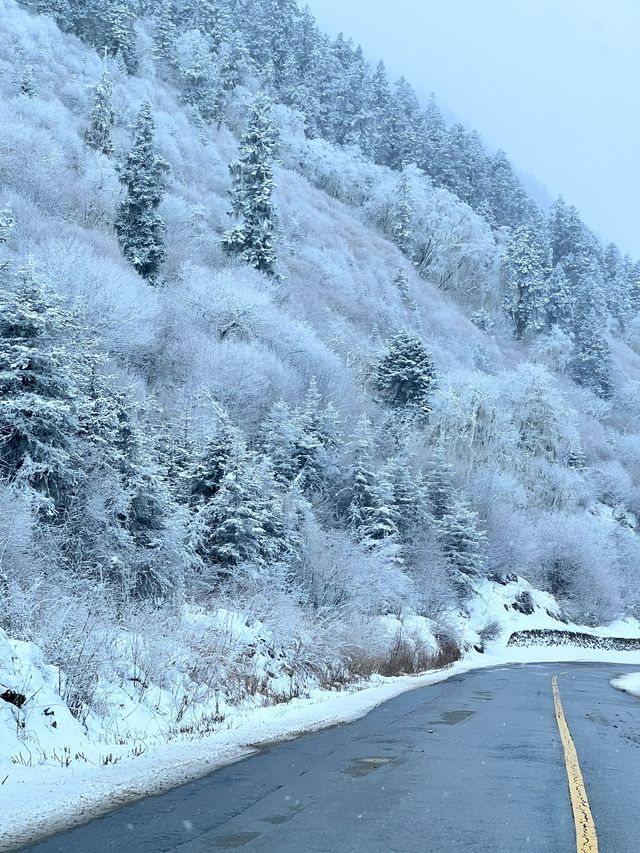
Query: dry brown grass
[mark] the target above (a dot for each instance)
(404, 657)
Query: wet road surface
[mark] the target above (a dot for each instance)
(473, 764)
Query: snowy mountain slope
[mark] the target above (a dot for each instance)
(363, 534)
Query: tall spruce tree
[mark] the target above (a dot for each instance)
(165, 31)
(119, 38)
(406, 127)
(525, 267)
(561, 300)
(405, 376)
(39, 397)
(101, 119)
(233, 69)
(198, 74)
(402, 225)
(251, 203)
(366, 498)
(138, 224)
(591, 358)
(463, 541)
(282, 439)
(243, 521)
(375, 143)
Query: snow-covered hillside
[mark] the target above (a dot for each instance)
(383, 415)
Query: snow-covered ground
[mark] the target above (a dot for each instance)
(56, 770)
(629, 683)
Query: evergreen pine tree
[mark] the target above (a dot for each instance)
(632, 275)
(508, 201)
(401, 281)
(439, 487)
(566, 231)
(455, 162)
(253, 237)
(479, 176)
(319, 422)
(243, 521)
(119, 39)
(152, 521)
(367, 496)
(409, 497)
(525, 267)
(208, 470)
(38, 395)
(591, 359)
(98, 134)
(233, 69)
(198, 74)
(165, 31)
(284, 441)
(375, 143)
(406, 137)
(139, 226)
(616, 284)
(560, 300)
(213, 19)
(403, 233)
(405, 376)
(435, 131)
(463, 542)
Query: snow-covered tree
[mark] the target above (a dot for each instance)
(233, 70)
(213, 18)
(205, 476)
(251, 191)
(243, 522)
(525, 267)
(439, 488)
(561, 299)
(406, 126)
(617, 284)
(463, 541)
(591, 359)
(509, 204)
(405, 376)
(7, 224)
(101, 118)
(375, 141)
(401, 281)
(38, 394)
(319, 424)
(403, 233)
(366, 494)
(139, 226)
(284, 441)
(27, 82)
(434, 141)
(198, 74)
(165, 31)
(119, 39)
(154, 565)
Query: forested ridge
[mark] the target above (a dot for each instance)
(276, 339)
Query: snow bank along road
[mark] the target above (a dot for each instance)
(492, 760)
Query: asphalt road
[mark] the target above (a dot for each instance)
(474, 764)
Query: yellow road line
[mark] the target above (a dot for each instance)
(586, 839)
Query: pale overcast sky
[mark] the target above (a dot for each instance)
(556, 83)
